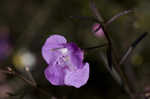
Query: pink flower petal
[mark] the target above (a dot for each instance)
(55, 74)
(100, 32)
(77, 78)
(54, 41)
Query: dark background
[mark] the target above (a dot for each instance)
(25, 25)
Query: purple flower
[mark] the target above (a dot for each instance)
(98, 33)
(65, 61)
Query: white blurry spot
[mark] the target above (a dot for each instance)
(64, 50)
(28, 59)
(24, 58)
(27, 69)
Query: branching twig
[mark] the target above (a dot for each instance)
(110, 51)
(111, 55)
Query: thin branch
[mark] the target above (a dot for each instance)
(127, 87)
(139, 39)
(12, 72)
(132, 47)
(95, 11)
(112, 70)
(117, 16)
(125, 56)
(30, 75)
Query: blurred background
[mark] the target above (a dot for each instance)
(25, 25)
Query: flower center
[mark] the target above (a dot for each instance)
(64, 59)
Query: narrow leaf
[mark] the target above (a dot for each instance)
(139, 39)
(117, 16)
(133, 45)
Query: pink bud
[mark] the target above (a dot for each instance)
(97, 30)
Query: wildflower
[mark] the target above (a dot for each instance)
(97, 29)
(65, 61)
